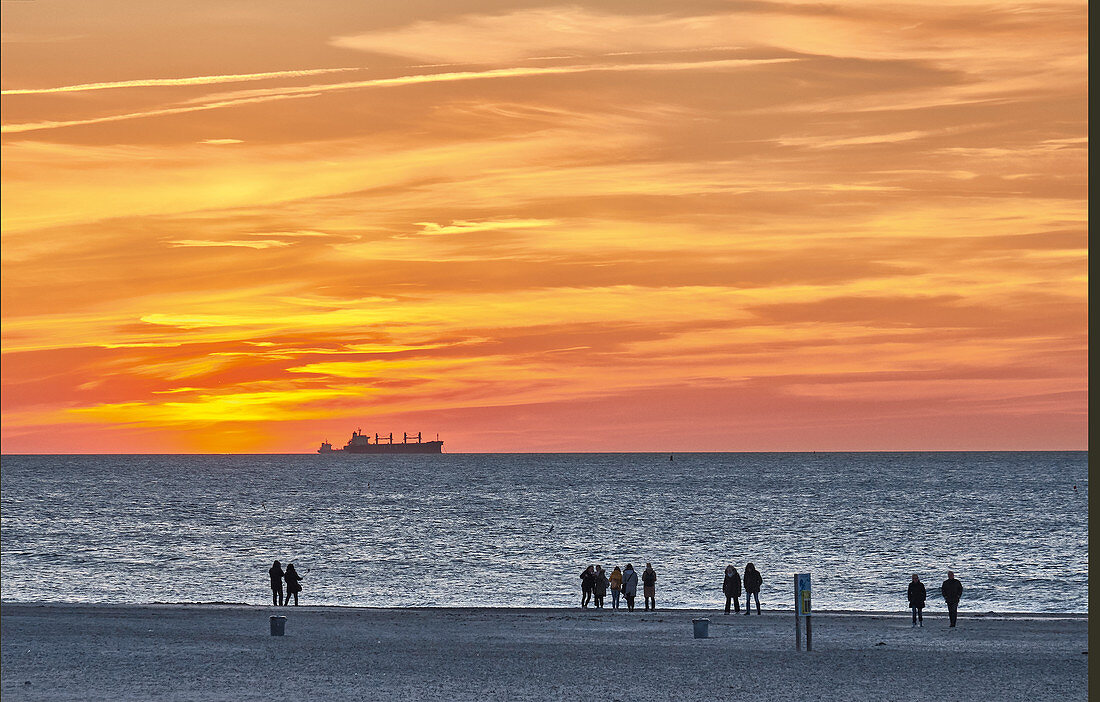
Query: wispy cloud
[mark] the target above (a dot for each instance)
(176, 82)
(29, 38)
(263, 95)
(459, 226)
(243, 244)
(550, 32)
(59, 124)
(822, 142)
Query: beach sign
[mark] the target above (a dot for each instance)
(801, 609)
(802, 598)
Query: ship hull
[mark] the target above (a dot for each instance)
(424, 447)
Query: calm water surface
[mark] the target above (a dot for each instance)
(516, 530)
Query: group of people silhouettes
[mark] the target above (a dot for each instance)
(293, 584)
(951, 589)
(731, 588)
(595, 583)
(623, 584)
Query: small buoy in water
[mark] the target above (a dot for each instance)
(670, 456)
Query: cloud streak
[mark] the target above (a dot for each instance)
(244, 244)
(162, 112)
(177, 82)
(264, 95)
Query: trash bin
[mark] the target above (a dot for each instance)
(702, 628)
(278, 626)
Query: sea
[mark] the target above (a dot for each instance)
(516, 530)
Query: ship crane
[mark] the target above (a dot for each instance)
(408, 436)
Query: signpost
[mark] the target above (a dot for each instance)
(801, 609)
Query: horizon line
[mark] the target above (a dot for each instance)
(577, 453)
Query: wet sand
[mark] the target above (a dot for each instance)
(225, 652)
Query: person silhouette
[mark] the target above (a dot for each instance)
(917, 595)
(599, 587)
(293, 584)
(731, 587)
(588, 581)
(952, 591)
(649, 587)
(616, 583)
(752, 581)
(630, 586)
(276, 574)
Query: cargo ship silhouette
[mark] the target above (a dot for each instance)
(361, 443)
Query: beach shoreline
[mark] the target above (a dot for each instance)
(717, 609)
(225, 651)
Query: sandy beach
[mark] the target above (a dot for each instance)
(226, 652)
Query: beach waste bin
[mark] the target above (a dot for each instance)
(702, 628)
(278, 626)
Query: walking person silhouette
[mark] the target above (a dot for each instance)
(952, 591)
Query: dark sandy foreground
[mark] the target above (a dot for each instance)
(225, 652)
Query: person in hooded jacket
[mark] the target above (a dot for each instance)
(293, 583)
(753, 581)
(276, 574)
(616, 583)
(649, 587)
(731, 587)
(630, 586)
(599, 587)
(917, 596)
(588, 579)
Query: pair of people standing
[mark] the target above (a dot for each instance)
(731, 587)
(293, 584)
(630, 586)
(623, 584)
(951, 589)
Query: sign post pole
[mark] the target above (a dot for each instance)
(797, 623)
(802, 607)
(808, 647)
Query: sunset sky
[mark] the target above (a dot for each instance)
(526, 226)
